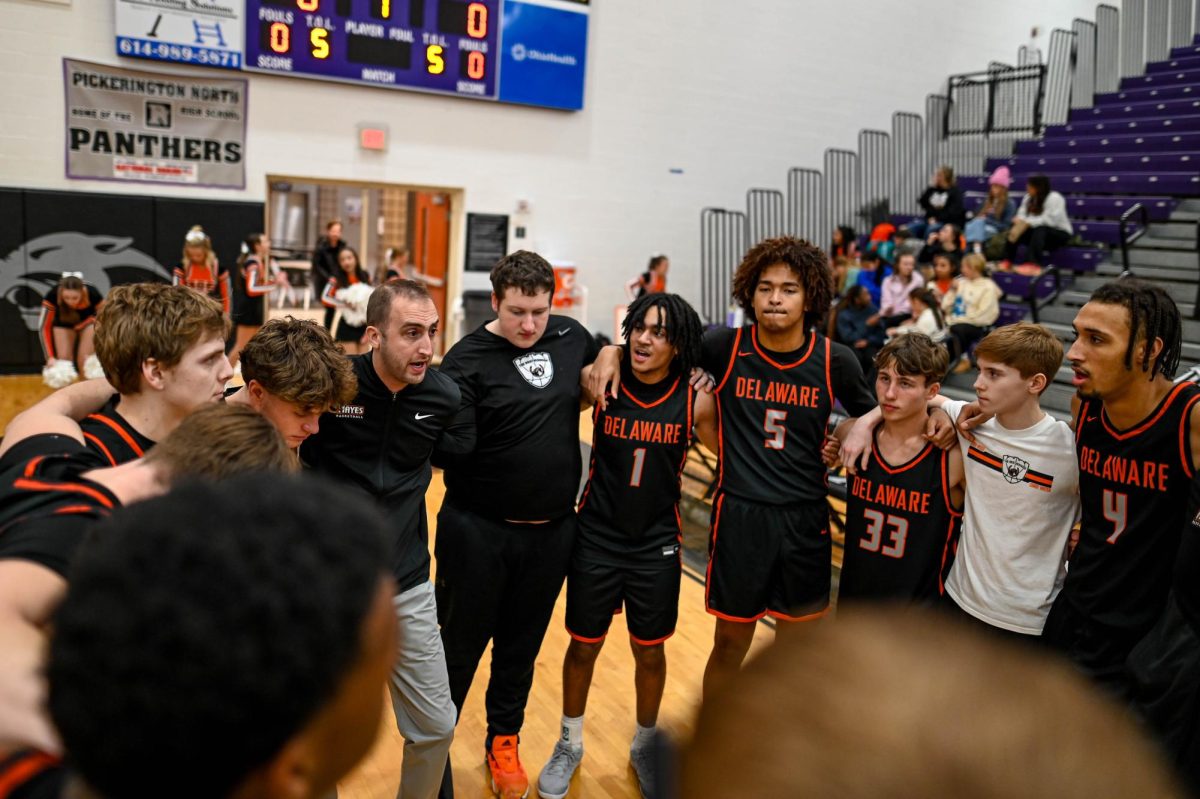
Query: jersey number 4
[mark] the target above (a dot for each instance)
(898, 534)
(1116, 510)
(773, 424)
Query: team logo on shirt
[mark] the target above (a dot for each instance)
(349, 411)
(1013, 469)
(536, 368)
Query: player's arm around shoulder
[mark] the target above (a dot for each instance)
(29, 593)
(59, 413)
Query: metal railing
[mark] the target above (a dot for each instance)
(999, 100)
(1137, 209)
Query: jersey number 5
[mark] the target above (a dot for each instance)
(1116, 510)
(875, 524)
(773, 424)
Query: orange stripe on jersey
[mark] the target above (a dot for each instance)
(904, 467)
(828, 376)
(22, 769)
(103, 449)
(984, 457)
(1080, 418)
(1146, 425)
(655, 642)
(733, 354)
(31, 467)
(775, 614)
(69, 509)
(120, 431)
(945, 469)
(37, 485)
(1185, 441)
(812, 342)
(716, 523)
(658, 401)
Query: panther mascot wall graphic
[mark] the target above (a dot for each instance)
(32, 269)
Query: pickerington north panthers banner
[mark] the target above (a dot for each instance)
(129, 125)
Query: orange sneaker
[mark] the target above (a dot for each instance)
(508, 776)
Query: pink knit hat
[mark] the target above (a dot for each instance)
(1001, 177)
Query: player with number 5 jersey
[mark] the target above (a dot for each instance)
(777, 382)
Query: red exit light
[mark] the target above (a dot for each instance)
(372, 138)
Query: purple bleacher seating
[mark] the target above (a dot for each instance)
(1103, 232)
(1011, 313)
(1161, 79)
(1158, 208)
(1188, 122)
(1132, 162)
(1099, 183)
(1151, 108)
(1185, 51)
(1148, 93)
(1098, 144)
(1174, 65)
(1076, 259)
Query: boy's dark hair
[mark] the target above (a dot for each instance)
(684, 329)
(915, 355)
(525, 271)
(806, 260)
(206, 627)
(1152, 314)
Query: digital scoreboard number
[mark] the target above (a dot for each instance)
(445, 46)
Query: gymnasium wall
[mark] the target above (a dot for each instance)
(731, 93)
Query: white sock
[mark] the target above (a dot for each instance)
(643, 737)
(572, 732)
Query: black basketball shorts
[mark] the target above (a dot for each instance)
(597, 588)
(768, 560)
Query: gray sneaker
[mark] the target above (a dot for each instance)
(555, 779)
(642, 760)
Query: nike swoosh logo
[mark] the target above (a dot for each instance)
(1092, 418)
(420, 416)
(564, 331)
(744, 354)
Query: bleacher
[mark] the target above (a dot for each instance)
(1121, 141)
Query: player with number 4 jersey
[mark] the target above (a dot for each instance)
(1136, 441)
(777, 382)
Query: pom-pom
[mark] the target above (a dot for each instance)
(354, 299)
(92, 368)
(59, 373)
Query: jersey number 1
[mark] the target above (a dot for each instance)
(639, 460)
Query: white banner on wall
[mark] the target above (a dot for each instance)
(208, 33)
(129, 125)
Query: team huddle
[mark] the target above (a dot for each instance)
(1076, 538)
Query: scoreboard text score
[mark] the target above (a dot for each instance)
(433, 45)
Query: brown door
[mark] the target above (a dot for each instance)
(431, 246)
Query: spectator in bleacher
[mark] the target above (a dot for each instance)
(971, 308)
(926, 318)
(946, 239)
(893, 302)
(1041, 223)
(872, 271)
(857, 324)
(844, 243)
(325, 262)
(941, 204)
(995, 213)
(652, 281)
(845, 274)
(945, 270)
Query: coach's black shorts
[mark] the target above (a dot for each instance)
(768, 560)
(597, 588)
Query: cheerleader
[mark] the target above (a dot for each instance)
(200, 270)
(256, 276)
(67, 325)
(340, 293)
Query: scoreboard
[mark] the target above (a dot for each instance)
(530, 52)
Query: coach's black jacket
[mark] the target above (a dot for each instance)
(380, 445)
